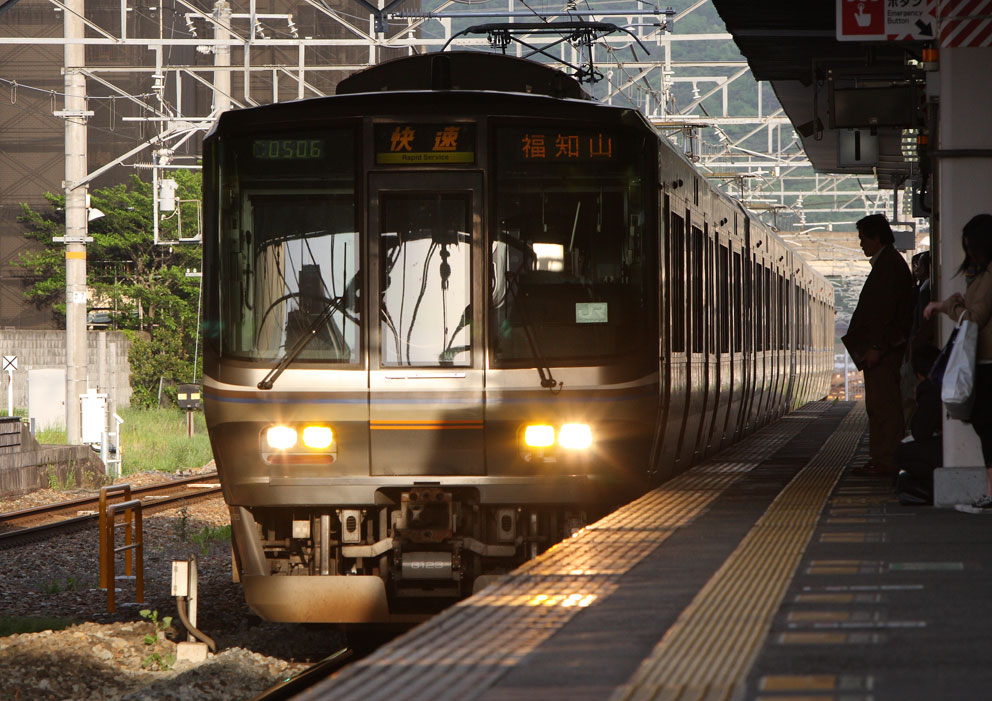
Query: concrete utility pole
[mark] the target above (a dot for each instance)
(222, 58)
(75, 115)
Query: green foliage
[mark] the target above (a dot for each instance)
(182, 523)
(51, 435)
(61, 483)
(155, 659)
(206, 537)
(209, 535)
(58, 586)
(143, 283)
(16, 625)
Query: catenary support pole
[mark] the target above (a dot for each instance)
(75, 115)
(222, 58)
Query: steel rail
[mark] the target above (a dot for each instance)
(42, 531)
(291, 686)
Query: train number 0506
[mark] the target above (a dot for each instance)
(288, 149)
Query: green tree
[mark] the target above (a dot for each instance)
(141, 284)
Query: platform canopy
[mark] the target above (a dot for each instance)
(834, 90)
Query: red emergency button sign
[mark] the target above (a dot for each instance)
(860, 19)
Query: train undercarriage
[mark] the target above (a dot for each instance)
(388, 561)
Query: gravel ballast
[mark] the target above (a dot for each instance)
(105, 655)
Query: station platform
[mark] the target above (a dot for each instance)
(772, 571)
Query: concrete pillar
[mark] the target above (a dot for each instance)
(75, 217)
(965, 190)
(222, 58)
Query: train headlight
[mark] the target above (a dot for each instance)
(280, 437)
(318, 437)
(575, 436)
(539, 436)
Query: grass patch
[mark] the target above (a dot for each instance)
(14, 625)
(155, 439)
(209, 535)
(51, 435)
(61, 483)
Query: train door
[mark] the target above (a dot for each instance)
(735, 426)
(676, 320)
(790, 342)
(696, 342)
(747, 324)
(763, 321)
(723, 431)
(426, 377)
(774, 329)
(711, 384)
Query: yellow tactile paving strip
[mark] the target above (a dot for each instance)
(707, 653)
(466, 648)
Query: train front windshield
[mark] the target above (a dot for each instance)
(289, 247)
(570, 259)
(568, 254)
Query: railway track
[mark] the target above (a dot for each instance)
(40, 522)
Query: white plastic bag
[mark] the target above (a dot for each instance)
(957, 389)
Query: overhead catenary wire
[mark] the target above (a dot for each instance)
(15, 86)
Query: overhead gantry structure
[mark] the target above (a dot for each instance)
(173, 68)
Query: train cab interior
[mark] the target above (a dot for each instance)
(572, 261)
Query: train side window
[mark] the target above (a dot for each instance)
(759, 315)
(799, 325)
(676, 277)
(784, 319)
(771, 311)
(738, 310)
(802, 322)
(698, 280)
(711, 296)
(723, 294)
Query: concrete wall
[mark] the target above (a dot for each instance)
(46, 349)
(26, 466)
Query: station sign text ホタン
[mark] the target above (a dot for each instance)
(886, 20)
(424, 144)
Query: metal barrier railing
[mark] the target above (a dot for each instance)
(105, 494)
(109, 549)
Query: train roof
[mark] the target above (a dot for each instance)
(464, 70)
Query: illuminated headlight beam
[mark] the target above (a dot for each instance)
(280, 437)
(575, 436)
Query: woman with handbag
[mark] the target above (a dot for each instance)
(977, 304)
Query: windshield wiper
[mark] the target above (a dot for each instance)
(308, 335)
(543, 368)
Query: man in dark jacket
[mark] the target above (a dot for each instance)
(877, 337)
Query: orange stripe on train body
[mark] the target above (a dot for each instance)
(424, 425)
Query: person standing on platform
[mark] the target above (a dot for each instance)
(977, 304)
(919, 455)
(876, 339)
(922, 333)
